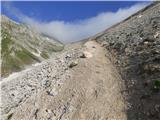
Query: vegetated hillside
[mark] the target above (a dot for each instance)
(135, 44)
(23, 46)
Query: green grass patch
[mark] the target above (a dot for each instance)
(44, 55)
(57, 48)
(14, 56)
(6, 43)
(26, 57)
(157, 84)
(10, 64)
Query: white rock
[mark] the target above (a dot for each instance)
(146, 42)
(73, 63)
(156, 35)
(86, 54)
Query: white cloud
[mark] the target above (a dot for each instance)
(73, 31)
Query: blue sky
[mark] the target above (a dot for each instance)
(70, 21)
(67, 11)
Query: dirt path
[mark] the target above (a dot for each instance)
(91, 92)
(98, 86)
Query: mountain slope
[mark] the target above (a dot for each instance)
(23, 46)
(69, 87)
(112, 76)
(135, 44)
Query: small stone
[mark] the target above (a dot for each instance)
(9, 116)
(156, 35)
(86, 55)
(157, 107)
(127, 50)
(68, 56)
(73, 63)
(146, 42)
(139, 16)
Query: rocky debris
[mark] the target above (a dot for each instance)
(68, 94)
(135, 46)
(51, 73)
(86, 54)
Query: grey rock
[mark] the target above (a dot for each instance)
(73, 63)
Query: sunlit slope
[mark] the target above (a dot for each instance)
(23, 46)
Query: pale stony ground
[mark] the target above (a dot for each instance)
(88, 90)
